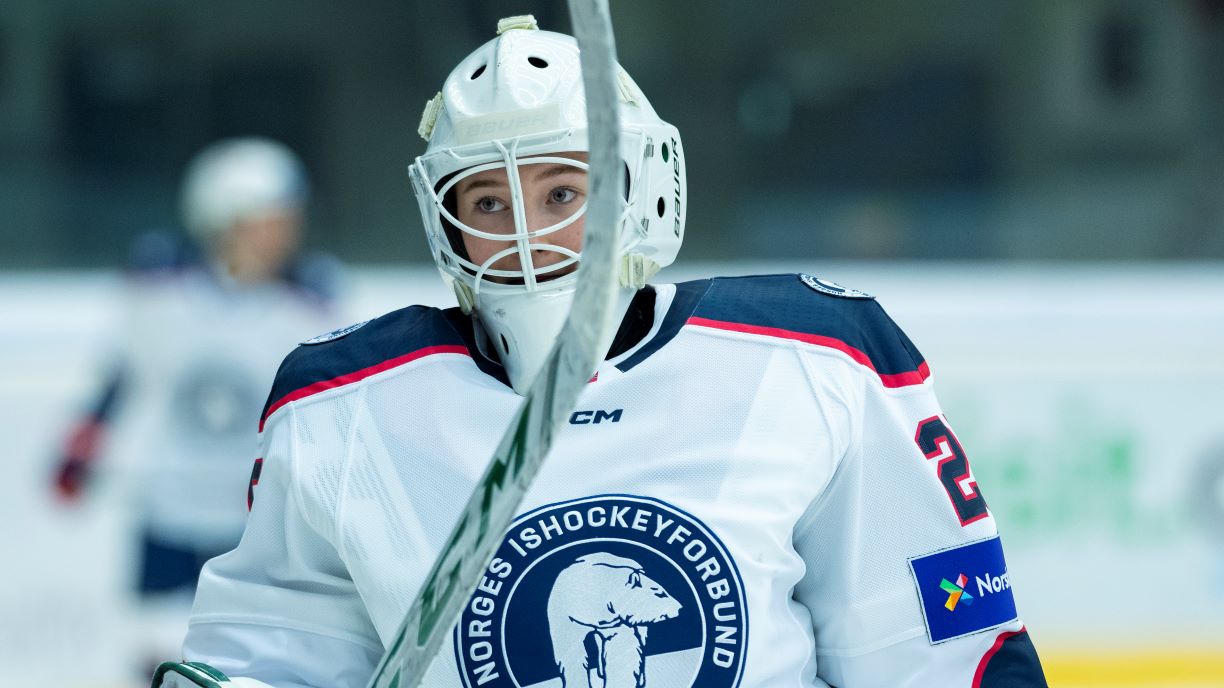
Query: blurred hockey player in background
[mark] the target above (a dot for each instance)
(209, 316)
(760, 453)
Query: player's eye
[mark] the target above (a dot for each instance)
(562, 194)
(489, 204)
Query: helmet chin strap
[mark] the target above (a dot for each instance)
(521, 344)
(635, 270)
(465, 297)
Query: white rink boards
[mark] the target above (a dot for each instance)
(1087, 398)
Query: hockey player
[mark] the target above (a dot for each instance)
(207, 323)
(757, 488)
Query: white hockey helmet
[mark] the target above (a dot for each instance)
(239, 178)
(521, 96)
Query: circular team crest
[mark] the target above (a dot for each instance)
(215, 400)
(612, 591)
(832, 288)
(334, 334)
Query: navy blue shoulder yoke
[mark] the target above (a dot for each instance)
(788, 307)
(345, 357)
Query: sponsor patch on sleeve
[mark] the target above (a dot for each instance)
(964, 589)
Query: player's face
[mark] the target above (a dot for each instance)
(552, 193)
(257, 247)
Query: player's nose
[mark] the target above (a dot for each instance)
(541, 218)
(545, 242)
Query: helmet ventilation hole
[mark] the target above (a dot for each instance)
(478, 72)
(661, 206)
(538, 63)
(505, 345)
(666, 153)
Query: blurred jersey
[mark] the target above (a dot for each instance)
(196, 357)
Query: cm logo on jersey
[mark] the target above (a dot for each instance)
(612, 591)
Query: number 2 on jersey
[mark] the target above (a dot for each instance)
(937, 442)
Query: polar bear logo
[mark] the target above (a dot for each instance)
(598, 613)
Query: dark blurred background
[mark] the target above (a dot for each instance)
(946, 129)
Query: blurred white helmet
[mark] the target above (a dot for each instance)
(519, 96)
(239, 178)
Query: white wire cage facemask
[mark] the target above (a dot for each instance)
(523, 243)
(437, 175)
(532, 254)
(521, 285)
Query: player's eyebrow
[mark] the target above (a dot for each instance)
(552, 170)
(486, 183)
(557, 169)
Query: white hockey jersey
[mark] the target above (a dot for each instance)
(196, 358)
(761, 493)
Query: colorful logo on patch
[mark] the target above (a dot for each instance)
(956, 592)
(948, 608)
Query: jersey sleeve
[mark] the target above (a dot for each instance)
(84, 441)
(281, 607)
(906, 582)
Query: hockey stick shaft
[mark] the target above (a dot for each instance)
(491, 508)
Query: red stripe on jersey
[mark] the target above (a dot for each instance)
(359, 375)
(912, 377)
(998, 643)
(255, 471)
